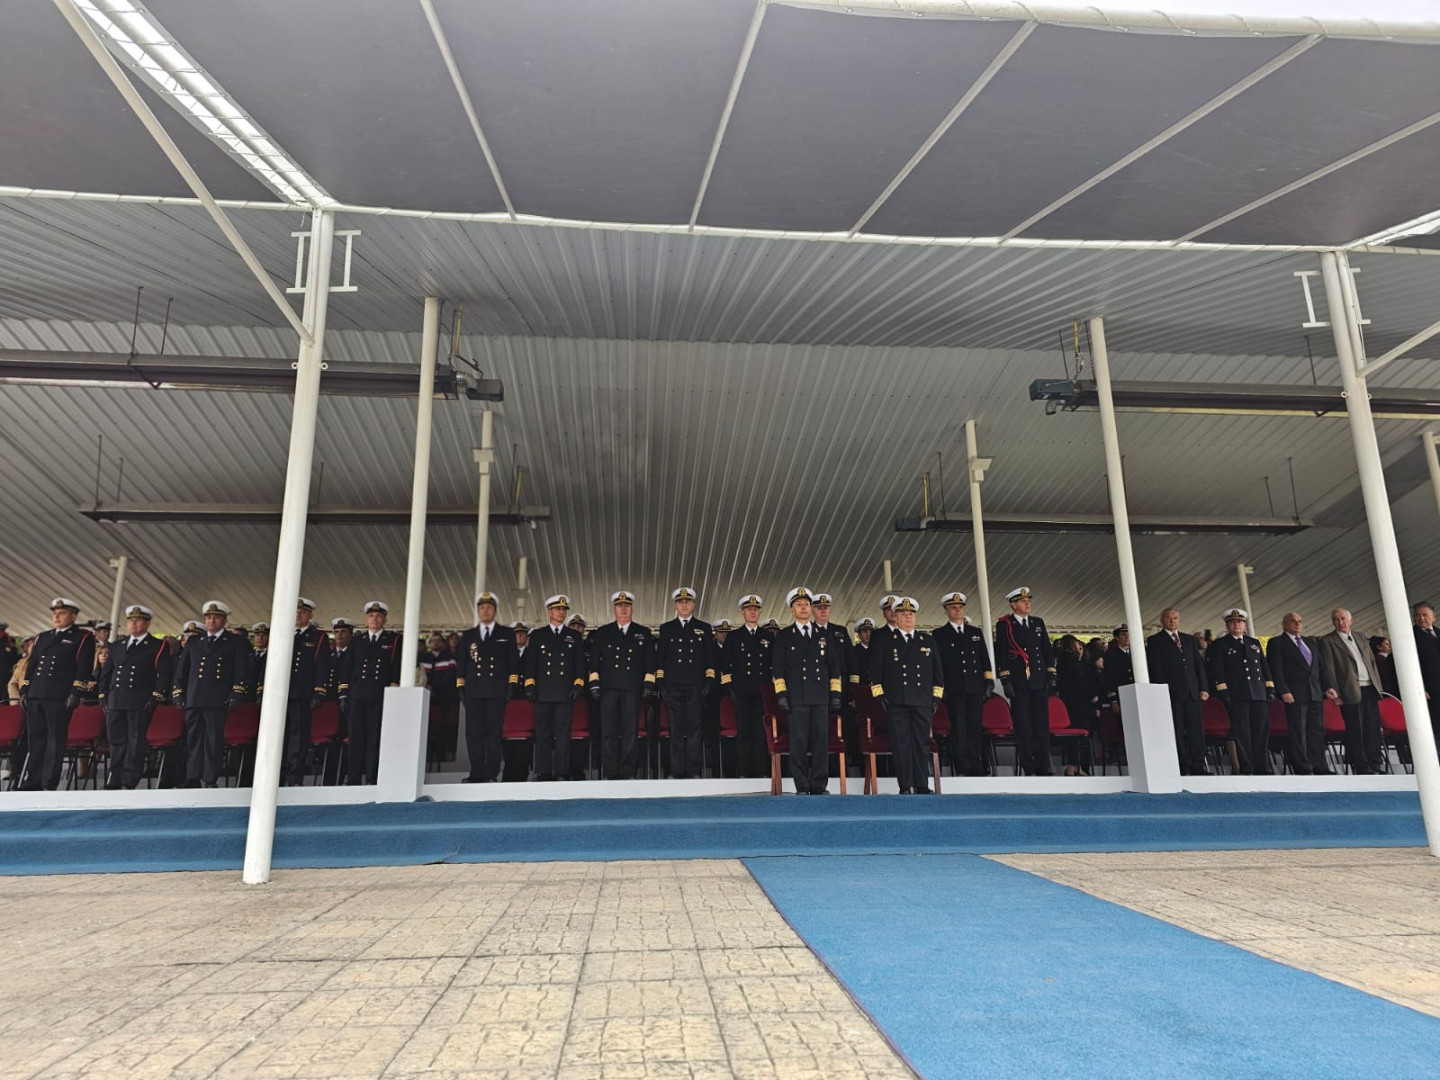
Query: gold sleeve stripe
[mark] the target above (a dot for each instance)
(709, 673)
(834, 686)
(780, 686)
(989, 675)
(649, 678)
(939, 691)
(594, 676)
(725, 679)
(876, 690)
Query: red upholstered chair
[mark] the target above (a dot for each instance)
(998, 728)
(729, 732)
(777, 742)
(242, 728)
(166, 734)
(12, 723)
(875, 741)
(85, 742)
(1279, 736)
(1218, 736)
(518, 727)
(1334, 735)
(1393, 732)
(1110, 733)
(580, 735)
(1063, 731)
(325, 738)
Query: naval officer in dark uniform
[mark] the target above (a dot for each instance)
(372, 664)
(554, 677)
(806, 674)
(747, 668)
(965, 660)
(61, 662)
(133, 681)
(1025, 662)
(489, 676)
(209, 678)
(906, 673)
(1241, 677)
(685, 672)
(622, 669)
(310, 663)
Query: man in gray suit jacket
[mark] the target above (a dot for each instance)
(1353, 679)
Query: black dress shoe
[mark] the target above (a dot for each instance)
(113, 784)
(1324, 772)
(188, 784)
(472, 780)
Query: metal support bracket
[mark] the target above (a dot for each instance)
(1314, 323)
(300, 244)
(978, 465)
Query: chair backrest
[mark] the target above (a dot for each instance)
(767, 697)
(1059, 714)
(87, 723)
(580, 718)
(995, 716)
(1213, 717)
(663, 721)
(1334, 718)
(1392, 715)
(242, 723)
(519, 722)
(167, 726)
(729, 727)
(1276, 715)
(325, 722)
(940, 723)
(12, 722)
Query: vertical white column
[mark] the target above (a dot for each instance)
(976, 467)
(889, 581)
(290, 556)
(1243, 572)
(484, 458)
(420, 492)
(1432, 459)
(119, 563)
(1119, 508)
(521, 583)
(1344, 324)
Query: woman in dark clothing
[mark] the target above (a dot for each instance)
(1077, 686)
(1385, 662)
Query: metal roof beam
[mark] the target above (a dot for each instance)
(1105, 524)
(443, 43)
(981, 81)
(86, 33)
(740, 68)
(1262, 72)
(129, 513)
(1236, 399)
(1400, 350)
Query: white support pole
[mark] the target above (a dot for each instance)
(1243, 572)
(1119, 508)
(889, 580)
(977, 466)
(119, 563)
(521, 580)
(290, 556)
(1339, 294)
(484, 459)
(1433, 460)
(420, 492)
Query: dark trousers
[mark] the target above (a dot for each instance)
(1189, 736)
(297, 740)
(809, 748)
(484, 728)
(909, 727)
(750, 736)
(364, 717)
(47, 725)
(1305, 725)
(125, 731)
(444, 729)
(204, 743)
(967, 743)
(1030, 712)
(687, 750)
(619, 715)
(1362, 732)
(552, 739)
(1250, 724)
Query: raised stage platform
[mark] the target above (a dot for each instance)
(389, 834)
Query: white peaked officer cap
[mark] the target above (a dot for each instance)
(1022, 593)
(683, 593)
(376, 605)
(887, 602)
(64, 602)
(750, 600)
(952, 598)
(1236, 613)
(622, 596)
(138, 611)
(305, 602)
(866, 623)
(214, 607)
(486, 597)
(800, 592)
(906, 603)
(559, 600)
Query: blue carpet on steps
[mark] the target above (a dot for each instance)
(98, 841)
(974, 969)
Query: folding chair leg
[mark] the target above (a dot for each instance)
(936, 756)
(842, 772)
(774, 774)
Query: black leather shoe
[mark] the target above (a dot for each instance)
(113, 784)
(471, 780)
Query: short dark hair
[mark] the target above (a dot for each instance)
(1421, 603)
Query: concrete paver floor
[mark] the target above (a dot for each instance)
(570, 970)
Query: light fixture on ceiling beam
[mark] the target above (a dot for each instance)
(138, 40)
(127, 513)
(1234, 399)
(1103, 524)
(231, 373)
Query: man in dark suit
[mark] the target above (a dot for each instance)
(622, 668)
(1241, 677)
(807, 671)
(310, 661)
(56, 674)
(489, 675)
(1175, 660)
(554, 678)
(907, 674)
(965, 660)
(1297, 666)
(209, 677)
(372, 664)
(1427, 644)
(1025, 663)
(747, 672)
(134, 680)
(686, 673)
(1353, 680)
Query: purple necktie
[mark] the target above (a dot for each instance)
(1304, 649)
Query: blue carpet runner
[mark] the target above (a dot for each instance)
(974, 969)
(99, 841)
